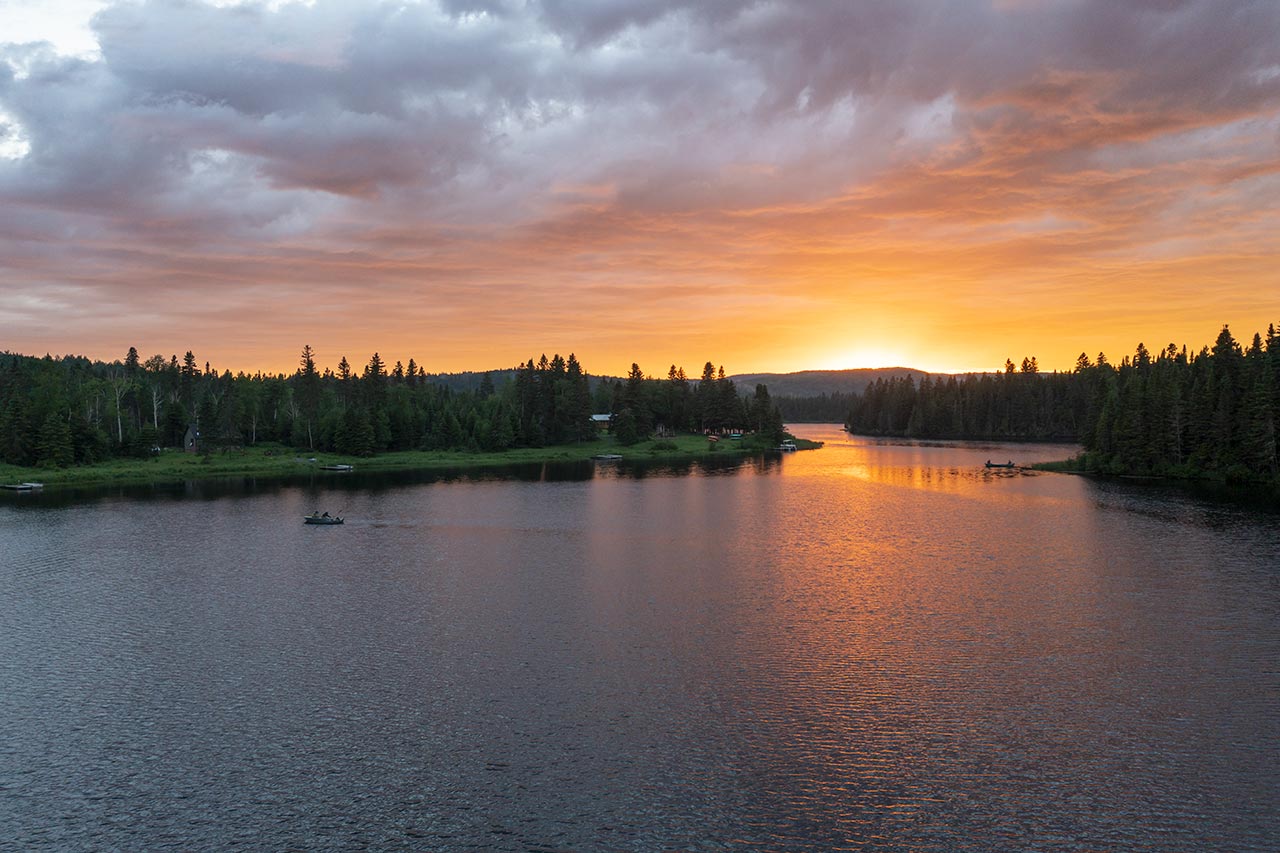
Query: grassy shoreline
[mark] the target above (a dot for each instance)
(173, 466)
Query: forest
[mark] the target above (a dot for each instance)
(1020, 403)
(56, 412)
(1211, 413)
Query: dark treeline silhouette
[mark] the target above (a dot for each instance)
(823, 408)
(642, 406)
(70, 410)
(1020, 403)
(1212, 413)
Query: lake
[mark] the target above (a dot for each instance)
(870, 646)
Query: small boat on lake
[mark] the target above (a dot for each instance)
(1008, 464)
(337, 467)
(22, 487)
(788, 447)
(318, 518)
(607, 457)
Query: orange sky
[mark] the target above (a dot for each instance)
(773, 187)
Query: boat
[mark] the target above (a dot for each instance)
(607, 457)
(337, 467)
(788, 447)
(1008, 464)
(22, 487)
(317, 518)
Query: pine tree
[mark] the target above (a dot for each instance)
(1258, 452)
(54, 448)
(582, 428)
(624, 428)
(374, 382)
(308, 394)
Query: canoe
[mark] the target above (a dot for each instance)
(321, 519)
(1001, 465)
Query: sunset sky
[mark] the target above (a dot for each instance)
(773, 186)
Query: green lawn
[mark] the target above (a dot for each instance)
(275, 461)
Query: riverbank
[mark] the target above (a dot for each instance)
(1085, 466)
(277, 461)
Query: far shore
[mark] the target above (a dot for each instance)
(172, 466)
(1267, 490)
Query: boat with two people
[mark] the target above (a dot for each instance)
(1008, 464)
(317, 517)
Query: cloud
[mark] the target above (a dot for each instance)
(457, 149)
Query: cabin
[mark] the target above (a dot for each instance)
(191, 441)
(601, 422)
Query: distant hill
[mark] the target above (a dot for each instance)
(469, 380)
(810, 383)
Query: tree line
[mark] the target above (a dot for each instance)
(822, 408)
(1020, 403)
(1174, 413)
(71, 410)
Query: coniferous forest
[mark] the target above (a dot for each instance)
(1172, 413)
(1208, 413)
(57, 412)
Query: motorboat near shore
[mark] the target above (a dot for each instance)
(337, 467)
(22, 487)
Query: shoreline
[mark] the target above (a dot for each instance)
(1258, 488)
(276, 461)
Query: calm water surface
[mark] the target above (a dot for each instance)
(872, 646)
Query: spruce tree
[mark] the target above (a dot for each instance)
(54, 448)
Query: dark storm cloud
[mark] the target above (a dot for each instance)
(356, 100)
